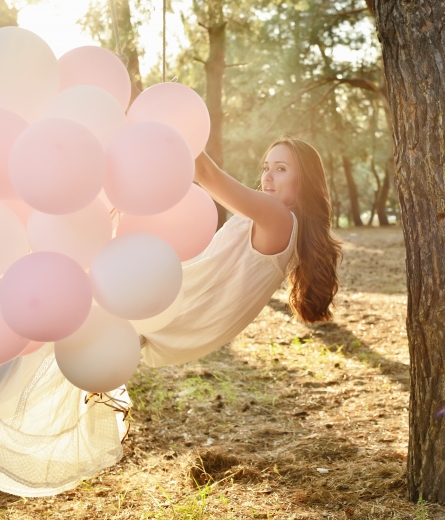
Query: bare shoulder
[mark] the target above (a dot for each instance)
(274, 237)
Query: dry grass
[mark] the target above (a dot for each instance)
(244, 432)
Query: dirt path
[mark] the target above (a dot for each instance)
(288, 422)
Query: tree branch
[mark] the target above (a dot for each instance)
(362, 83)
(351, 12)
(236, 65)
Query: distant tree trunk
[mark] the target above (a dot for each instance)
(215, 67)
(411, 34)
(8, 15)
(129, 46)
(376, 192)
(335, 202)
(383, 196)
(352, 190)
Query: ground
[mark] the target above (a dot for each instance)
(289, 421)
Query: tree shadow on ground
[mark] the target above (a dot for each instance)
(333, 335)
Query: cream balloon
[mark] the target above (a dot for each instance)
(161, 320)
(136, 276)
(13, 239)
(101, 355)
(90, 106)
(78, 235)
(29, 71)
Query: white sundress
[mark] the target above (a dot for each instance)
(51, 439)
(224, 290)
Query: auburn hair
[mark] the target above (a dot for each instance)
(312, 275)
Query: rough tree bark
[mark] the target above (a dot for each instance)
(215, 67)
(353, 192)
(412, 33)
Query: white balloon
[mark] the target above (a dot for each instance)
(13, 239)
(78, 235)
(136, 276)
(161, 320)
(90, 106)
(29, 73)
(100, 356)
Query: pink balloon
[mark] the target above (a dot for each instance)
(13, 240)
(178, 106)
(57, 166)
(96, 66)
(11, 344)
(78, 235)
(20, 208)
(33, 346)
(45, 296)
(11, 126)
(150, 169)
(188, 227)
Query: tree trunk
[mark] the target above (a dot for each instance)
(353, 193)
(383, 197)
(129, 47)
(8, 15)
(215, 68)
(414, 60)
(335, 202)
(376, 192)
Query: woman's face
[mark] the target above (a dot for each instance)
(279, 177)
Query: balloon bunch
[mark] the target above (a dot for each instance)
(69, 153)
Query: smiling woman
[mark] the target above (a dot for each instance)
(280, 175)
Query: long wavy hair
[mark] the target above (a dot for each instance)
(312, 275)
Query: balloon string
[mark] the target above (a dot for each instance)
(164, 10)
(117, 405)
(120, 54)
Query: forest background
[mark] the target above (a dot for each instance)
(311, 68)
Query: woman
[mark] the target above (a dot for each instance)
(282, 230)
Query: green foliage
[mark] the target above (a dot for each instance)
(8, 14)
(422, 510)
(298, 68)
(192, 507)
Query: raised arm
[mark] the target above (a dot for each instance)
(273, 220)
